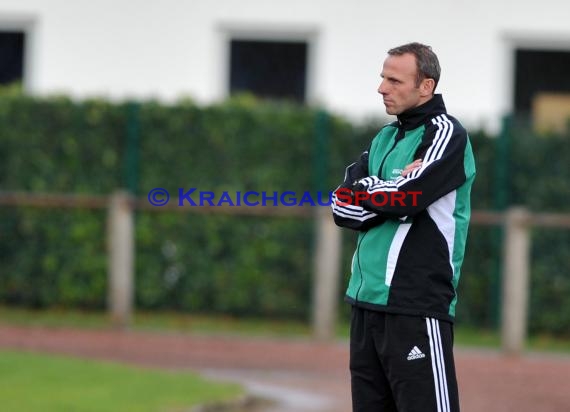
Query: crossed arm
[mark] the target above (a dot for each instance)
(440, 171)
(352, 214)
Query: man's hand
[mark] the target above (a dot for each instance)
(416, 164)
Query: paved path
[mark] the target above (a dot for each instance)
(305, 376)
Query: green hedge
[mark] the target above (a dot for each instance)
(222, 264)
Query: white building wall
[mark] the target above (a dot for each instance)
(172, 48)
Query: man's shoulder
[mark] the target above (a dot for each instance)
(445, 121)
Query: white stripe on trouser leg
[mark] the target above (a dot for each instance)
(442, 373)
(433, 365)
(438, 365)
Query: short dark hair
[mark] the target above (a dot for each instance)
(426, 61)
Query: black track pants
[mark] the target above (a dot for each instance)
(401, 363)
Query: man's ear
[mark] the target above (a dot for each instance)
(427, 87)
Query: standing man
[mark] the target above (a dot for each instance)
(408, 195)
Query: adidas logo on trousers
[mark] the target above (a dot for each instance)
(415, 353)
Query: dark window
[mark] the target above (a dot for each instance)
(11, 56)
(269, 69)
(539, 71)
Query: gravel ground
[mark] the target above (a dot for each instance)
(302, 375)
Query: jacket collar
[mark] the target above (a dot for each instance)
(412, 118)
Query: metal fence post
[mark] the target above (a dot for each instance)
(131, 157)
(120, 242)
(516, 263)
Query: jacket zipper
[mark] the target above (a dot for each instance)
(359, 267)
(399, 137)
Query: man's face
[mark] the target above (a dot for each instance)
(398, 86)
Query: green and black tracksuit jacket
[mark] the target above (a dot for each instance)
(408, 255)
